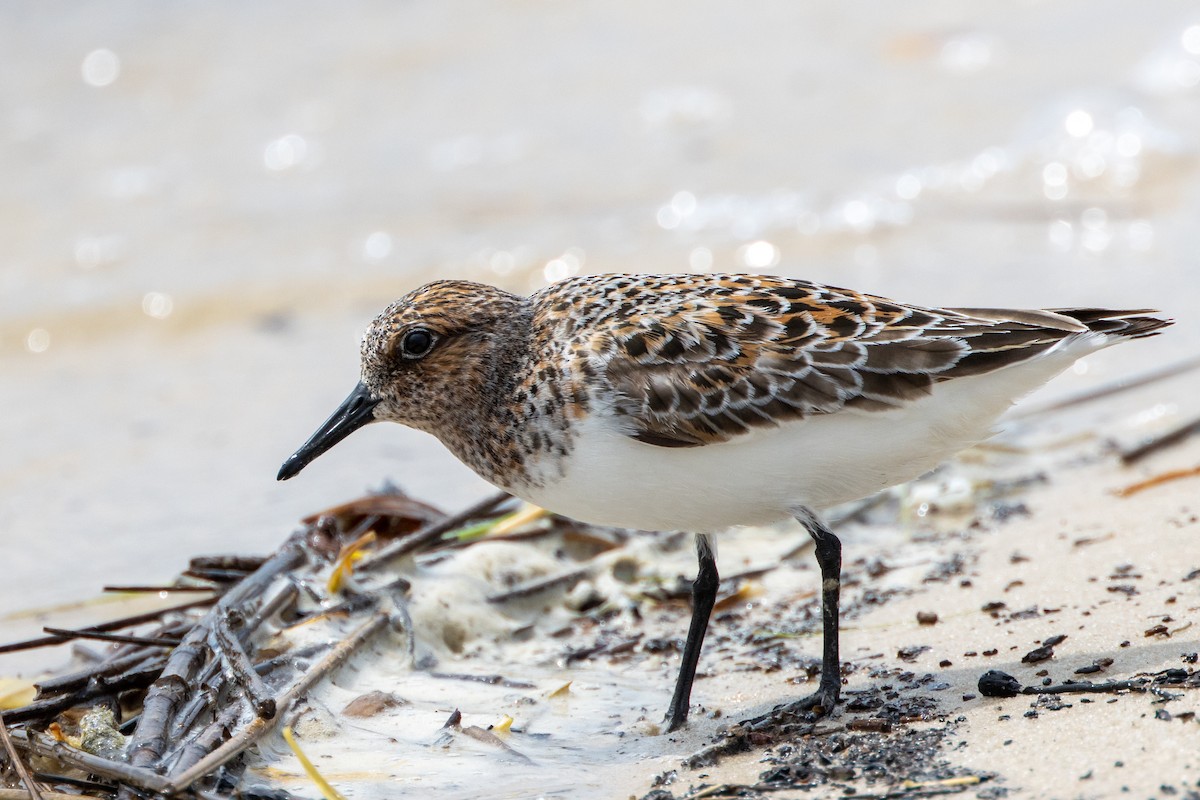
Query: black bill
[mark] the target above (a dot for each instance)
(355, 411)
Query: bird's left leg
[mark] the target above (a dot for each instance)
(829, 559)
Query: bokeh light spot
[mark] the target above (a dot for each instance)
(157, 305)
(377, 246)
(759, 255)
(100, 67)
(38, 340)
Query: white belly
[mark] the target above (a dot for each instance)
(612, 479)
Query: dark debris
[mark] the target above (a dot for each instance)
(995, 683)
(848, 761)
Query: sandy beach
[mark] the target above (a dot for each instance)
(205, 206)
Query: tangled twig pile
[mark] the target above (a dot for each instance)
(201, 682)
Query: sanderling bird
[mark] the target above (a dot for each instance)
(700, 402)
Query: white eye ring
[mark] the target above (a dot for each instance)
(416, 343)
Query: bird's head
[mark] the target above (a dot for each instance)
(428, 359)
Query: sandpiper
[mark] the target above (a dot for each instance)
(699, 402)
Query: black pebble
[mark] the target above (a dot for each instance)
(995, 683)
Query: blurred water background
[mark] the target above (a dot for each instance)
(204, 204)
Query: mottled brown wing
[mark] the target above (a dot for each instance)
(741, 352)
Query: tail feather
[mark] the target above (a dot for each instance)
(1020, 336)
(1128, 324)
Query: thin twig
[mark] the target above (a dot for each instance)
(1171, 437)
(429, 533)
(147, 641)
(1165, 477)
(221, 577)
(541, 584)
(155, 589)
(289, 658)
(53, 778)
(17, 763)
(114, 625)
(1124, 385)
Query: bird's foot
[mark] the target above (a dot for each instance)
(673, 723)
(804, 711)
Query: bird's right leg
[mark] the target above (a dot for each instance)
(704, 596)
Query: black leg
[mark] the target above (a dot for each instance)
(829, 558)
(704, 596)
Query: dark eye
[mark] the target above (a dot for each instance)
(416, 343)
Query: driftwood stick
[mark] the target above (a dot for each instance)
(164, 697)
(136, 678)
(1134, 685)
(203, 698)
(149, 739)
(220, 577)
(77, 680)
(207, 740)
(17, 763)
(234, 657)
(114, 625)
(286, 594)
(229, 563)
(397, 592)
(43, 745)
(288, 658)
(259, 726)
(430, 533)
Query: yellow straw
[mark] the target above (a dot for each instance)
(327, 791)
